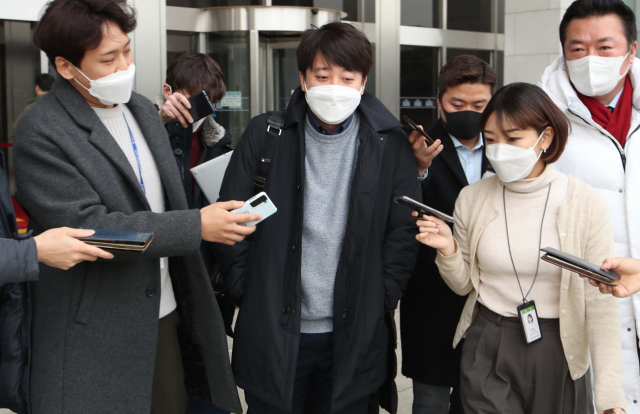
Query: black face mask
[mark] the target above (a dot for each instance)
(463, 125)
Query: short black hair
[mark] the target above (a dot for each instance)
(581, 9)
(44, 81)
(466, 69)
(68, 28)
(340, 43)
(194, 72)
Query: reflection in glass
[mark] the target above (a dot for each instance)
(231, 51)
(423, 13)
(418, 84)
(354, 11)
(470, 15)
(285, 77)
(178, 42)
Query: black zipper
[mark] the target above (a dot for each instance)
(623, 157)
(352, 208)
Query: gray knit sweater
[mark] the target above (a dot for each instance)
(329, 165)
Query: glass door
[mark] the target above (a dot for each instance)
(282, 72)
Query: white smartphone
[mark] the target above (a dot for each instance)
(259, 204)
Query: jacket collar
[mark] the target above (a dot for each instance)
(372, 112)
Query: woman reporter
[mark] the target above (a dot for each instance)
(508, 365)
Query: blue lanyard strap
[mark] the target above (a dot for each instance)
(135, 151)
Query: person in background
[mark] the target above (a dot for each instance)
(429, 310)
(319, 276)
(594, 83)
(44, 83)
(140, 333)
(194, 143)
(493, 256)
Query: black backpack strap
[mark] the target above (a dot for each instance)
(275, 122)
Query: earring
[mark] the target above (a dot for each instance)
(544, 150)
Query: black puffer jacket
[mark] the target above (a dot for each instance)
(378, 256)
(18, 265)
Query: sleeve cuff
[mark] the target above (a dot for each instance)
(424, 176)
(453, 255)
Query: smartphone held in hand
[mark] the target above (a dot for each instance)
(201, 106)
(260, 204)
(415, 127)
(422, 209)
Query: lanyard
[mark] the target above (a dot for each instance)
(135, 151)
(504, 203)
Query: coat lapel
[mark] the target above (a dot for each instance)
(449, 154)
(105, 143)
(86, 118)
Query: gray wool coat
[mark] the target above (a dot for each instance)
(95, 326)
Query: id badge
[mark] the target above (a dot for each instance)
(530, 325)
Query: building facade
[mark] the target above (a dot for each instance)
(254, 42)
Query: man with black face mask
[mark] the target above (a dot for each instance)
(430, 311)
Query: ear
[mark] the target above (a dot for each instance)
(64, 68)
(302, 83)
(166, 90)
(547, 138)
(634, 50)
(37, 90)
(364, 84)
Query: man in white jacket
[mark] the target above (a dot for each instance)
(595, 83)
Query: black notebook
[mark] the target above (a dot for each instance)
(119, 240)
(580, 266)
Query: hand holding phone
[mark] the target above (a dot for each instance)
(260, 204)
(201, 106)
(422, 209)
(415, 127)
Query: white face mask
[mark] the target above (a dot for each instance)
(596, 75)
(512, 163)
(197, 124)
(333, 104)
(112, 89)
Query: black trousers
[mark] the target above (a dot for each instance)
(313, 387)
(501, 374)
(168, 395)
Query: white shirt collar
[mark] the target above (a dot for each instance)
(458, 144)
(614, 101)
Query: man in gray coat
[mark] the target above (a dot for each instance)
(56, 247)
(140, 333)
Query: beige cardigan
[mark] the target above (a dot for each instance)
(589, 320)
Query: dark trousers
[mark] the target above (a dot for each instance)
(501, 374)
(433, 399)
(168, 395)
(313, 386)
